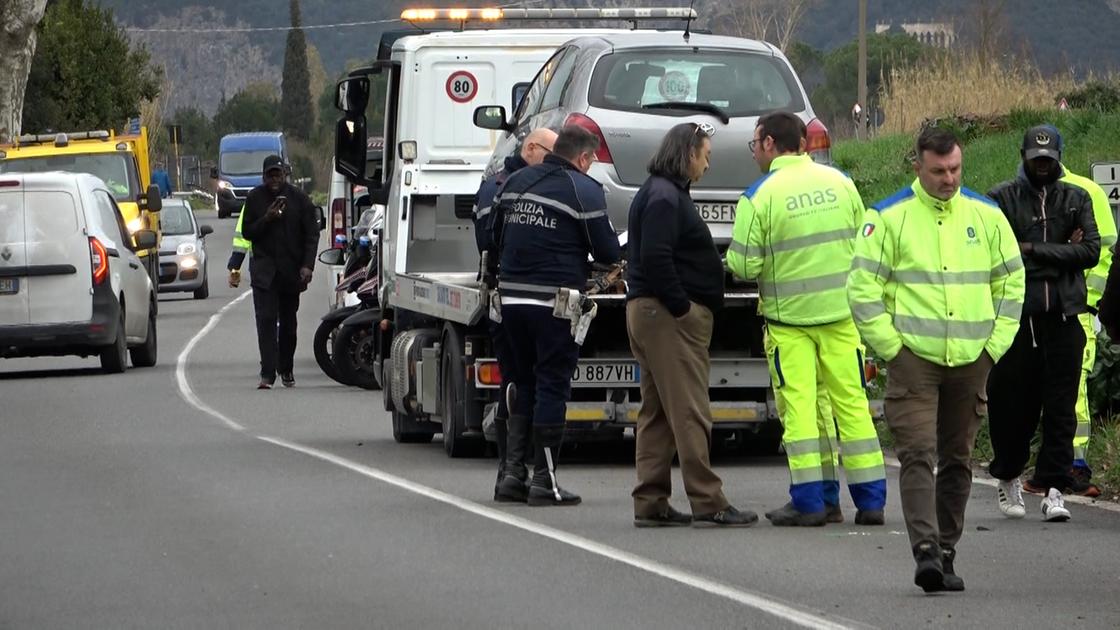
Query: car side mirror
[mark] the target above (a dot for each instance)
(491, 117)
(203, 230)
(155, 200)
(145, 239)
(332, 256)
(213, 172)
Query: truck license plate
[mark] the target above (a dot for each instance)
(9, 286)
(716, 212)
(621, 373)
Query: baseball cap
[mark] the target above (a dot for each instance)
(1042, 141)
(273, 162)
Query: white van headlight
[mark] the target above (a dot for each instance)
(185, 248)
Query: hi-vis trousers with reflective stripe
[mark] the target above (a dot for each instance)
(798, 355)
(1081, 437)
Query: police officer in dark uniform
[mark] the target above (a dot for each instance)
(548, 219)
(513, 433)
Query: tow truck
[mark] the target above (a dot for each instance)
(121, 161)
(432, 352)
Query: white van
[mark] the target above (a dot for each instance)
(70, 280)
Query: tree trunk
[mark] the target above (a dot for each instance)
(18, 19)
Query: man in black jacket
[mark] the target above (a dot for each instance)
(1059, 240)
(550, 217)
(280, 222)
(512, 433)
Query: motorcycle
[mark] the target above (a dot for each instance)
(356, 258)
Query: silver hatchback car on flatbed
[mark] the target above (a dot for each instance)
(630, 88)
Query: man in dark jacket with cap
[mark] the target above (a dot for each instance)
(1058, 238)
(512, 434)
(550, 218)
(279, 220)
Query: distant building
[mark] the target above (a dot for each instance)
(939, 34)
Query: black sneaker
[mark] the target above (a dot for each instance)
(870, 517)
(789, 516)
(727, 517)
(668, 518)
(264, 384)
(288, 379)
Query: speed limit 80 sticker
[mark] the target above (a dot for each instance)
(462, 86)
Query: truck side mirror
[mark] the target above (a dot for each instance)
(350, 147)
(155, 201)
(352, 95)
(491, 117)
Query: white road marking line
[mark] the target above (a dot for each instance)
(1100, 504)
(185, 389)
(758, 602)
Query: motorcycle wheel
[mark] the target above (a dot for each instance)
(324, 347)
(353, 355)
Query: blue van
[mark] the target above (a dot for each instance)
(240, 158)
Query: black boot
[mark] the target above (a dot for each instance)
(501, 433)
(951, 581)
(544, 490)
(928, 574)
(512, 489)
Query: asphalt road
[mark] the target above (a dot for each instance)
(180, 497)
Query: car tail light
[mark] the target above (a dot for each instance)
(489, 374)
(98, 261)
(338, 223)
(818, 145)
(604, 152)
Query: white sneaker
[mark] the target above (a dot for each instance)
(1054, 508)
(1011, 498)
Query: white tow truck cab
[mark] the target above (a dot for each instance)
(433, 351)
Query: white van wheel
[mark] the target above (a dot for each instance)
(114, 357)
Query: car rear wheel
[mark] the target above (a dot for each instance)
(144, 355)
(114, 357)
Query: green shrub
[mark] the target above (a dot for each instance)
(1100, 96)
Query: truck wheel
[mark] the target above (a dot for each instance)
(114, 357)
(453, 407)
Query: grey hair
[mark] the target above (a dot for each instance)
(573, 141)
(675, 153)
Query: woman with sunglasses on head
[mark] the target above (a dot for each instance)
(675, 282)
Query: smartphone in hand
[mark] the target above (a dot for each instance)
(283, 202)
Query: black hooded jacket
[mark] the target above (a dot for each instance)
(1047, 218)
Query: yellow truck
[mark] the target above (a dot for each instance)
(121, 161)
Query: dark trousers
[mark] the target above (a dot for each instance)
(507, 363)
(933, 412)
(276, 330)
(1038, 377)
(545, 357)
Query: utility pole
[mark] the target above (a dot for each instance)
(861, 126)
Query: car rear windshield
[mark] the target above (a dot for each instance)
(740, 83)
(175, 218)
(115, 169)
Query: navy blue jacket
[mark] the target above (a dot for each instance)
(671, 253)
(549, 218)
(484, 201)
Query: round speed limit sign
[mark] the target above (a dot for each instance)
(462, 87)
